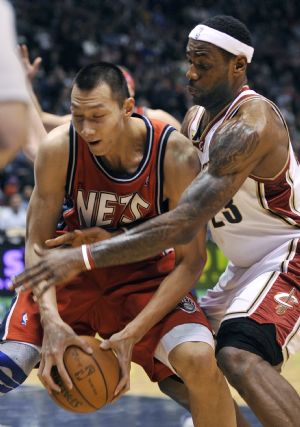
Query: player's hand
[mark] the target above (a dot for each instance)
(122, 343)
(31, 68)
(80, 237)
(54, 268)
(57, 337)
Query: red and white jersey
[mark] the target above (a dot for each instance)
(264, 213)
(101, 197)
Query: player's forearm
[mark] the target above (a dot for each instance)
(143, 241)
(36, 232)
(199, 203)
(47, 301)
(233, 157)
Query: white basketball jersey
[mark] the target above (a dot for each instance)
(264, 213)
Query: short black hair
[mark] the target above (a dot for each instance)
(92, 75)
(231, 26)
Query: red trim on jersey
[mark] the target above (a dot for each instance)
(277, 178)
(279, 197)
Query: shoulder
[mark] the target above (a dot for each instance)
(262, 116)
(181, 166)
(187, 119)
(181, 155)
(54, 150)
(57, 139)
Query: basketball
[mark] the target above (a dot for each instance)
(94, 377)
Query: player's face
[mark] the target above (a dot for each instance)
(209, 74)
(98, 118)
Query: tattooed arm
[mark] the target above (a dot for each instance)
(233, 157)
(254, 141)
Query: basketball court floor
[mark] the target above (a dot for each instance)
(144, 406)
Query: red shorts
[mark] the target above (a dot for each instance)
(83, 305)
(281, 306)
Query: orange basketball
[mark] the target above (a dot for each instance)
(94, 378)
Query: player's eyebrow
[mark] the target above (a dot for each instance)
(75, 105)
(196, 52)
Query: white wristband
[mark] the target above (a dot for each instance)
(85, 257)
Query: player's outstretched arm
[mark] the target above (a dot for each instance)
(181, 160)
(43, 213)
(236, 151)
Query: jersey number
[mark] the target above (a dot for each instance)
(231, 214)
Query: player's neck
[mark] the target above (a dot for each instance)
(216, 109)
(127, 156)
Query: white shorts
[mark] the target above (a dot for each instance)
(267, 292)
(189, 332)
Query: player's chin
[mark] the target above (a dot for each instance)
(96, 148)
(198, 99)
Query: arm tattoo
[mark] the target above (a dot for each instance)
(232, 147)
(230, 151)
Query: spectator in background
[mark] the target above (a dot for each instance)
(26, 193)
(149, 39)
(13, 216)
(51, 121)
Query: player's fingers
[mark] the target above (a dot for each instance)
(64, 239)
(124, 383)
(40, 370)
(32, 277)
(64, 374)
(24, 51)
(80, 342)
(36, 63)
(38, 290)
(40, 283)
(123, 386)
(105, 345)
(42, 288)
(46, 377)
(38, 250)
(24, 279)
(41, 367)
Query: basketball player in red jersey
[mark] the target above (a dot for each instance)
(249, 195)
(51, 121)
(118, 169)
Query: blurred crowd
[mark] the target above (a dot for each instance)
(149, 38)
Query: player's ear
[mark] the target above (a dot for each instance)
(240, 64)
(128, 106)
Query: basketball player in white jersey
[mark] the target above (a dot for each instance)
(248, 193)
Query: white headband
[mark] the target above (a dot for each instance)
(223, 40)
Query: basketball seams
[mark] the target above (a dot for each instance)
(95, 391)
(61, 402)
(103, 377)
(74, 384)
